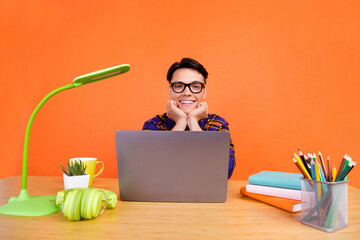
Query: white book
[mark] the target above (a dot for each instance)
(274, 191)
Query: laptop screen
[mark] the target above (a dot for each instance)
(172, 166)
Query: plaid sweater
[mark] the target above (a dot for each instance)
(212, 123)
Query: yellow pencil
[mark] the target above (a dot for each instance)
(317, 175)
(317, 171)
(318, 185)
(333, 174)
(297, 158)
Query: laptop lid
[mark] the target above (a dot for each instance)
(172, 166)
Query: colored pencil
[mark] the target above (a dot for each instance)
(317, 171)
(314, 156)
(347, 174)
(333, 174)
(300, 169)
(310, 156)
(321, 173)
(329, 177)
(346, 171)
(302, 165)
(313, 170)
(307, 160)
(323, 165)
(342, 174)
(349, 159)
(312, 164)
(304, 162)
(342, 164)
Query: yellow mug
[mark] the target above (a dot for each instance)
(90, 166)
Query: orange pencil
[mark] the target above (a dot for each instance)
(301, 169)
(302, 166)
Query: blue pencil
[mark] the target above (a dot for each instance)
(313, 176)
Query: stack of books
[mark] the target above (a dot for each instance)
(279, 189)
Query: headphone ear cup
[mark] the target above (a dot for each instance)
(68, 202)
(72, 205)
(75, 210)
(87, 207)
(84, 201)
(96, 204)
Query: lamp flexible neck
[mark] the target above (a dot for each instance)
(27, 134)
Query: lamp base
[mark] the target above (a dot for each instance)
(25, 205)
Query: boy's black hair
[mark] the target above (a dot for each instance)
(187, 63)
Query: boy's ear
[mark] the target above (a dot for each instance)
(204, 93)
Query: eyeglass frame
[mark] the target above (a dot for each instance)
(203, 85)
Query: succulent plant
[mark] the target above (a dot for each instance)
(74, 168)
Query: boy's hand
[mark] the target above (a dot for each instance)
(199, 113)
(177, 115)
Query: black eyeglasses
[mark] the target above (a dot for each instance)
(195, 87)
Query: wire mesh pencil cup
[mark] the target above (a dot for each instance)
(324, 205)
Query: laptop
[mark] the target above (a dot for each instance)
(172, 166)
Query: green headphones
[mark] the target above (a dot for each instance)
(84, 203)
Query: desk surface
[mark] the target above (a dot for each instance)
(238, 217)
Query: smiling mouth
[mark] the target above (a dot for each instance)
(186, 101)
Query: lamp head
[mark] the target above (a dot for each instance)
(101, 74)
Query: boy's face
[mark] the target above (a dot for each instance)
(187, 101)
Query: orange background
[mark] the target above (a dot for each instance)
(285, 74)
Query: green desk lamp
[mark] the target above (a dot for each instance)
(24, 204)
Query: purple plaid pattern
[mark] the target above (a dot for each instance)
(212, 123)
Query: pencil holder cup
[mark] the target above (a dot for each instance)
(324, 205)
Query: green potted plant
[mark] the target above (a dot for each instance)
(74, 175)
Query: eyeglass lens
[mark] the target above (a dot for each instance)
(179, 87)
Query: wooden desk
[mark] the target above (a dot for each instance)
(238, 218)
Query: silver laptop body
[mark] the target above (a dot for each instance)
(172, 166)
